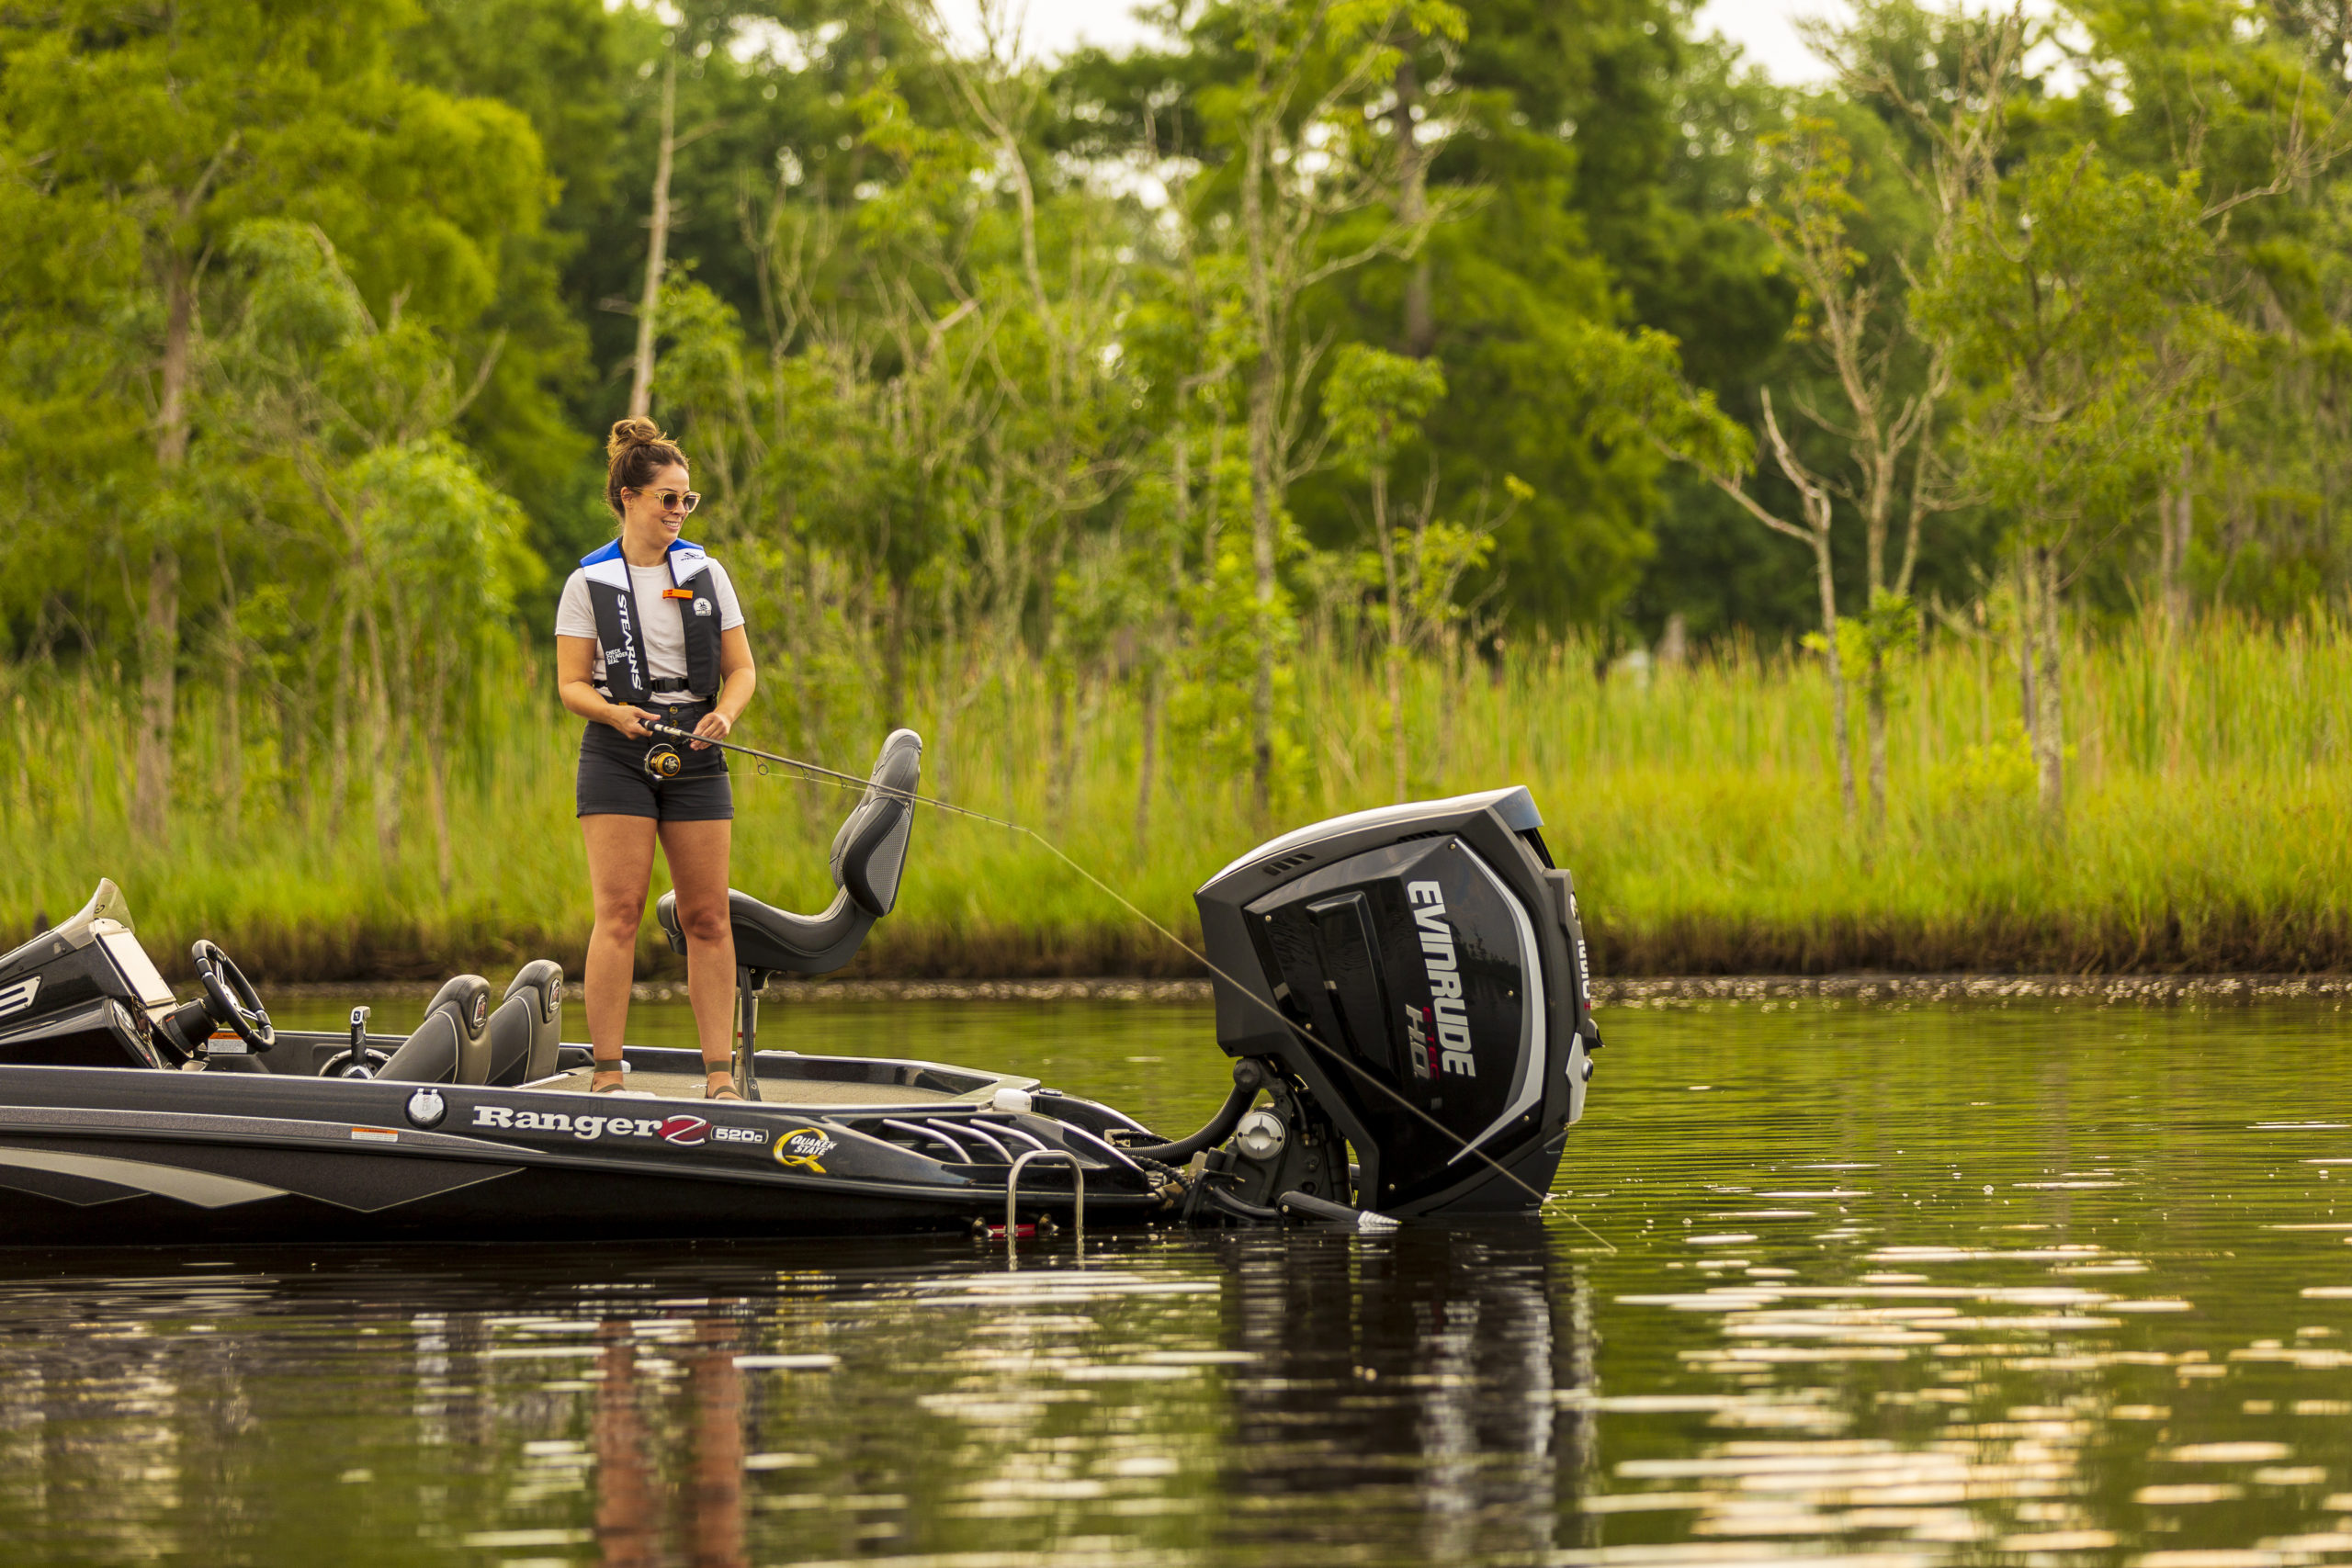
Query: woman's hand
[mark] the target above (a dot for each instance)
(631, 721)
(715, 725)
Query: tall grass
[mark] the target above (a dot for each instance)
(2209, 783)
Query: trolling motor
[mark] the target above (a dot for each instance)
(1409, 983)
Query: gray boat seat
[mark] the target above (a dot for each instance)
(452, 1045)
(870, 855)
(525, 1035)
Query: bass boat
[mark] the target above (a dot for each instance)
(1403, 993)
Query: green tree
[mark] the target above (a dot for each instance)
(423, 558)
(2249, 101)
(2074, 302)
(1299, 165)
(137, 138)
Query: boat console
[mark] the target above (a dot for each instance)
(85, 993)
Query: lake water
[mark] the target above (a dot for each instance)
(1884, 1288)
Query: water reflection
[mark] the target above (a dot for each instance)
(1245, 1396)
(630, 1501)
(1893, 1290)
(1415, 1375)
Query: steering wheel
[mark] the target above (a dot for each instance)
(231, 999)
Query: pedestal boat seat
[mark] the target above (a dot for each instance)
(870, 855)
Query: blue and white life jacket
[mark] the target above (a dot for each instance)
(626, 677)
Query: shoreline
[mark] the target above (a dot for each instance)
(1828, 991)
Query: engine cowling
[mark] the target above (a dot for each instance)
(1419, 972)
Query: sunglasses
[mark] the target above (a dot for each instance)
(683, 499)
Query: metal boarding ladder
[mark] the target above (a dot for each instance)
(1012, 1196)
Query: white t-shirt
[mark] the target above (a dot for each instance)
(663, 621)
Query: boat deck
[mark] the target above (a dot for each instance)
(786, 1077)
(776, 1091)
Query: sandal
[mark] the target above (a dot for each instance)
(617, 1070)
(725, 1090)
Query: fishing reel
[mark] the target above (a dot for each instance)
(665, 763)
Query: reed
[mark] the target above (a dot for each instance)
(2210, 776)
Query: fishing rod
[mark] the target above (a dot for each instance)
(842, 779)
(852, 781)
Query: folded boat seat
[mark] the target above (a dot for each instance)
(869, 853)
(452, 1045)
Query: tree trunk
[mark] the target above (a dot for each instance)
(1212, 510)
(1164, 625)
(640, 391)
(2025, 657)
(1265, 390)
(159, 645)
(894, 658)
(437, 795)
(1393, 657)
(955, 679)
(339, 759)
(159, 629)
(382, 775)
(1089, 683)
(1836, 670)
(1262, 558)
(1874, 714)
(2175, 518)
(233, 770)
(1412, 208)
(232, 741)
(2049, 713)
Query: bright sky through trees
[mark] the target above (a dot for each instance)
(1760, 26)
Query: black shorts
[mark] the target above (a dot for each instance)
(614, 783)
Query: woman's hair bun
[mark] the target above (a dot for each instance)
(635, 452)
(628, 433)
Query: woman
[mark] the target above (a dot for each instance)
(649, 631)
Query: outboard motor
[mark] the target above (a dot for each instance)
(1411, 980)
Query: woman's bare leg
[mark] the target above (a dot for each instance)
(620, 866)
(697, 853)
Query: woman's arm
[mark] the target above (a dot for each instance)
(739, 679)
(574, 656)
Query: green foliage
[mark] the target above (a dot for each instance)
(1206, 712)
(1325, 337)
(2072, 306)
(1700, 835)
(1999, 772)
(1374, 400)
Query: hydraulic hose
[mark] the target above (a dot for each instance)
(1248, 1079)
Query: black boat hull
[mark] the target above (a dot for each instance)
(96, 1157)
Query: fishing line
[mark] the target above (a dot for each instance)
(852, 781)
